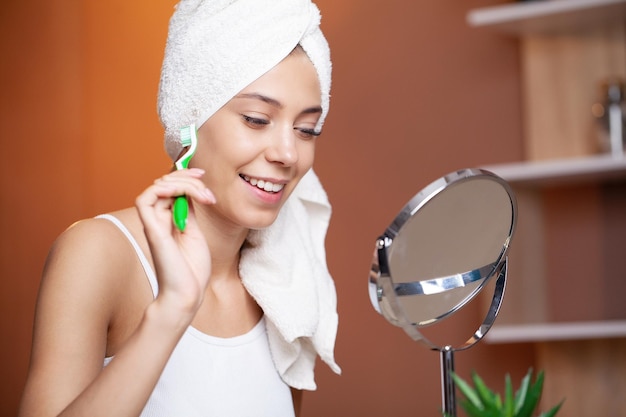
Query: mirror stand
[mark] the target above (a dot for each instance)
(448, 400)
(443, 248)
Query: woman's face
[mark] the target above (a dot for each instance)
(258, 146)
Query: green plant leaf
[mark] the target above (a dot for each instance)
(472, 411)
(467, 390)
(490, 400)
(520, 395)
(473, 404)
(532, 397)
(552, 412)
(480, 401)
(509, 405)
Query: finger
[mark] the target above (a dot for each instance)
(153, 212)
(155, 193)
(155, 203)
(181, 174)
(168, 188)
(186, 182)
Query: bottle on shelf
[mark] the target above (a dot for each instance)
(610, 113)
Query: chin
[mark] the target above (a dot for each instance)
(261, 222)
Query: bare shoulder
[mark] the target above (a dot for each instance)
(95, 231)
(92, 260)
(92, 247)
(85, 263)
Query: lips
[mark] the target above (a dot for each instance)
(264, 185)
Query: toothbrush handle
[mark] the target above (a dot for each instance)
(180, 211)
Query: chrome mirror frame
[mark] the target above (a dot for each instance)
(385, 294)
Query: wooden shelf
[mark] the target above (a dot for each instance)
(549, 332)
(568, 234)
(599, 168)
(548, 16)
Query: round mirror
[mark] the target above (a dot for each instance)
(442, 248)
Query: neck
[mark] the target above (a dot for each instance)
(225, 242)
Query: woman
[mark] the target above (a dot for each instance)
(138, 318)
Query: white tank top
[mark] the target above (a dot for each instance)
(213, 376)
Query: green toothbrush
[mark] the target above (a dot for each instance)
(188, 137)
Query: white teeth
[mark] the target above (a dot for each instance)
(264, 185)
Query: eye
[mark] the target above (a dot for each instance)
(307, 133)
(255, 122)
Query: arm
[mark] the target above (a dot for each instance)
(76, 301)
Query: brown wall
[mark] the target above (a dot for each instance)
(416, 94)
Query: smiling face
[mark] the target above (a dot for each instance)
(258, 146)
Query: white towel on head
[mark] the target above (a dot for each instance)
(285, 270)
(215, 48)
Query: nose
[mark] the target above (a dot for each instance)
(282, 148)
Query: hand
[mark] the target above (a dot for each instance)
(182, 260)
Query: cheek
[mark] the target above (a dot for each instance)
(306, 155)
(217, 150)
(202, 157)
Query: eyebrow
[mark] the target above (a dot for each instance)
(275, 103)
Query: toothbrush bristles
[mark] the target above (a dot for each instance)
(189, 139)
(185, 136)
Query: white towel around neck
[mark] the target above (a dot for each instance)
(285, 270)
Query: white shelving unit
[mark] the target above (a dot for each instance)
(566, 46)
(562, 171)
(530, 20)
(551, 332)
(548, 16)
